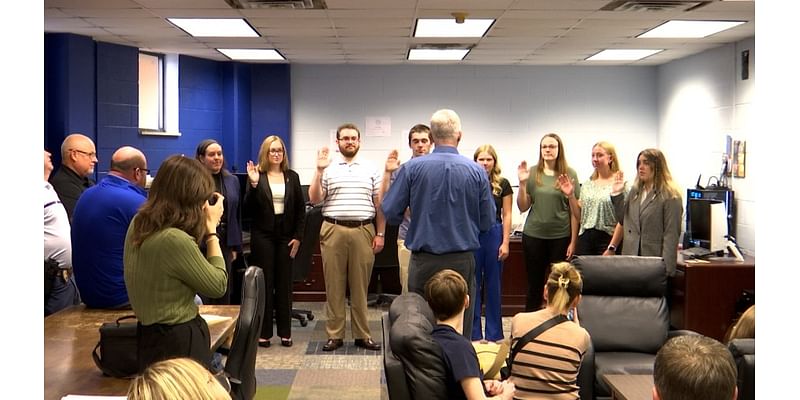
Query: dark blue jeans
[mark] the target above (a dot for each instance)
(488, 275)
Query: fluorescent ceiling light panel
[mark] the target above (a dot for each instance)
(437, 54)
(252, 54)
(623, 54)
(447, 27)
(215, 27)
(689, 29)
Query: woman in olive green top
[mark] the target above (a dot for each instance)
(551, 229)
(164, 267)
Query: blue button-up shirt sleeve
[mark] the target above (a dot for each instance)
(397, 198)
(488, 209)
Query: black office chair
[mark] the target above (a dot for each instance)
(301, 264)
(240, 367)
(385, 261)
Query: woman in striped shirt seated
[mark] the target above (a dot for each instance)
(547, 366)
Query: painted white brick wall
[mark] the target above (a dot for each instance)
(701, 99)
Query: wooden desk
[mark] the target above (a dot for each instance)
(703, 295)
(630, 387)
(70, 336)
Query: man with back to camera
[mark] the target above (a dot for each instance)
(60, 289)
(78, 158)
(99, 226)
(349, 189)
(694, 367)
(451, 200)
(419, 141)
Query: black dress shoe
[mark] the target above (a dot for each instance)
(367, 344)
(333, 344)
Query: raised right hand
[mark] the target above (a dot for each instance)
(392, 161)
(323, 159)
(523, 172)
(252, 172)
(619, 183)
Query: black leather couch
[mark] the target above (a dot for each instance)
(412, 360)
(744, 353)
(624, 309)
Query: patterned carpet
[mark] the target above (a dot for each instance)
(304, 371)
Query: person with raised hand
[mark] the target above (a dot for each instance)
(275, 201)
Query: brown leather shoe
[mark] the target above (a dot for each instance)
(367, 344)
(333, 344)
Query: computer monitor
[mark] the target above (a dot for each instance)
(708, 224)
(723, 195)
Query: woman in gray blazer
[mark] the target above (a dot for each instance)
(651, 213)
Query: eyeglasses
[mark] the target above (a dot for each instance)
(275, 151)
(145, 170)
(348, 139)
(91, 155)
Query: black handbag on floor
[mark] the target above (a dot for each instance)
(117, 356)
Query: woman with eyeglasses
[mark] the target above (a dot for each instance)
(209, 152)
(551, 228)
(651, 213)
(275, 200)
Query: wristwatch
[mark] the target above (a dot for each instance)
(380, 234)
(611, 247)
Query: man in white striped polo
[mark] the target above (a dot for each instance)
(349, 188)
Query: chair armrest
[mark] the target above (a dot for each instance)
(586, 374)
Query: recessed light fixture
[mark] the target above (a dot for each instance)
(437, 54)
(450, 28)
(623, 54)
(215, 27)
(253, 54)
(689, 29)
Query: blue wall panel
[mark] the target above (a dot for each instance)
(69, 89)
(270, 104)
(236, 116)
(117, 101)
(201, 103)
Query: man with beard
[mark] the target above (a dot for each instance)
(349, 190)
(451, 203)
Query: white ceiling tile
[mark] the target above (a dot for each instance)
(527, 32)
(91, 4)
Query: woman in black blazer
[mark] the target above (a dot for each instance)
(275, 201)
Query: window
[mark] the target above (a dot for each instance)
(151, 92)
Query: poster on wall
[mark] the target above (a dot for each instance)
(378, 126)
(739, 150)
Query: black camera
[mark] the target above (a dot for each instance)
(213, 199)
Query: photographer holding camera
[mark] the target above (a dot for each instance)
(164, 266)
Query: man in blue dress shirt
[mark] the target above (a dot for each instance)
(451, 202)
(99, 226)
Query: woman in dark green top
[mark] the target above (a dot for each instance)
(551, 229)
(164, 267)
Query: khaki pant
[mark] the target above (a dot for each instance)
(403, 258)
(347, 259)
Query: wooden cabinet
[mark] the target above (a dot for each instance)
(703, 295)
(514, 285)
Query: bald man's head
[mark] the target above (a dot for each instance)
(79, 154)
(129, 163)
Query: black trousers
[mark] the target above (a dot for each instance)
(271, 254)
(593, 242)
(539, 254)
(227, 255)
(159, 342)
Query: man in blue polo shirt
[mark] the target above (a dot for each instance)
(451, 202)
(99, 225)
